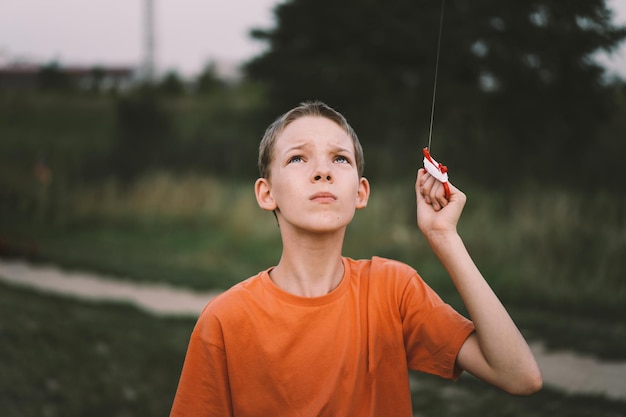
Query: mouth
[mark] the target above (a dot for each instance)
(323, 197)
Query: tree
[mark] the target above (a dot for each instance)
(518, 90)
(52, 77)
(209, 81)
(171, 85)
(145, 137)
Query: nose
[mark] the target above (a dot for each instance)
(322, 173)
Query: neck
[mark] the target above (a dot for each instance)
(310, 266)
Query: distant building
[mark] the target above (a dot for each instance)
(19, 77)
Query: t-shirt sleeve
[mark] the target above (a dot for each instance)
(433, 331)
(203, 389)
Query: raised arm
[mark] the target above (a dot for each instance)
(497, 352)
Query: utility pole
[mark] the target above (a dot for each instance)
(149, 66)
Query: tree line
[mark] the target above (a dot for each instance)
(519, 96)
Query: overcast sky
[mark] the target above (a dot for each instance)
(189, 33)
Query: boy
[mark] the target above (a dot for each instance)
(324, 335)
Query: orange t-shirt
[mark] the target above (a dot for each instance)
(259, 351)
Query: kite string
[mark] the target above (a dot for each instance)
(432, 111)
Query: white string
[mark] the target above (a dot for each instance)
(432, 111)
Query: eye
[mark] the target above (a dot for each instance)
(342, 159)
(295, 158)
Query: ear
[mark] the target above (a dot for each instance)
(264, 198)
(363, 193)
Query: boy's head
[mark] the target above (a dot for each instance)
(314, 108)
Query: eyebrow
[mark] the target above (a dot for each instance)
(335, 148)
(297, 147)
(342, 149)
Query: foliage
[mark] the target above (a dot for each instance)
(212, 132)
(52, 78)
(518, 91)
(144, 135)
(86, 137)
(209, 81)
(172, 85)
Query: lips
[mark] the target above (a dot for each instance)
(323, 197)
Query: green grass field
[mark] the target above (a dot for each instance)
(62, 357)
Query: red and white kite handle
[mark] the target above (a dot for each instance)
(437, 170)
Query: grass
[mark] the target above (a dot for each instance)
(67, 358)
(63, 357)
(565, 249)
(199, 257)
(433, 396)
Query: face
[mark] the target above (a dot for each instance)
(314, 183)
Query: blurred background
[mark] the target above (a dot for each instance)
(128, 144)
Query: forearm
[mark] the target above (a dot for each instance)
(506, 354)
(497, 353)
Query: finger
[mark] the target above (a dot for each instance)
(423, 186)
(427, 187)
(435, 191)
(423, 175)
(421, 198)
(426, 182)
(441, 195)
(419, 181)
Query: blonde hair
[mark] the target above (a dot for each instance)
(311, 108)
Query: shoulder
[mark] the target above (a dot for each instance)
(382, 268)
(391, 266)
(393, 278)
(384, 277)
(230, 306)
(231, 299)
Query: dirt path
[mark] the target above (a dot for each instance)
(566, 371)
(154, 298)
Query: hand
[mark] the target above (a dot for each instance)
(436, 214)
